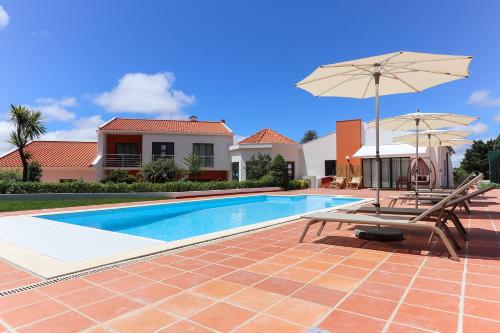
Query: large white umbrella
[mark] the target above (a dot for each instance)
(392, 73)
(426, 120)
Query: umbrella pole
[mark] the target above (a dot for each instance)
(376, 76)
(417, 121)
(376, 233)
(429, 150)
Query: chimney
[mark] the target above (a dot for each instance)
(193, 118)
(223, 121)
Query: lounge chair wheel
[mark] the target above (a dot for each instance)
(379, 234)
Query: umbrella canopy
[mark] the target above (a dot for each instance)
(400, 72)
(392, 73)
(433, 137)
(429, 121)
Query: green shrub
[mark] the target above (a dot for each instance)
(193, 164)
(160, 171)
(297, 185)
(11, 175)
(258, 166)
(278, 172)
(119, 176)
(87, 187)
(34, 171)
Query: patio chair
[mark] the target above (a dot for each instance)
(338, 183)
(448, 211)
(355, 182)
(439, 228)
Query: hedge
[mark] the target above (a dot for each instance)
(87, 187)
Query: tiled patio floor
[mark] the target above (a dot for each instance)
(267, 282)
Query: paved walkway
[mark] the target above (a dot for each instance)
(267, 282)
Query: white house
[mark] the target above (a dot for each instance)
(129, 143)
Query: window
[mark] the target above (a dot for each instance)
(393, 173)
(163, 150)
(206, 153)
(290, 167)
(330, 167)
(235, 171)
(126, 148)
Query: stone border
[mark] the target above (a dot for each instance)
(166, 195)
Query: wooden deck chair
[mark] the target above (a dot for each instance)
(338, 183)
(355, 182)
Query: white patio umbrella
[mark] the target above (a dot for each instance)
(392, 73)
(429, 121)
(435, 138)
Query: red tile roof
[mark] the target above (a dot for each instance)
(167, 126)
(266, 135)
(55, 154)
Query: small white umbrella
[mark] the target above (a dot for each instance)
(435, 138)
(392, 73)
(427, 120)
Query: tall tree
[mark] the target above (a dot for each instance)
(28, 126)
(309, 136)
(476, 157)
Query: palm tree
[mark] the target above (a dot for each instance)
(28, 126)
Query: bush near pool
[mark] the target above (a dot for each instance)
(7, 187)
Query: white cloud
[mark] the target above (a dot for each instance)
(237, 138)
(476, 128)
(84, 129)
(150, 94)
(56, 109)
(5, 129)
(4, 18)
(496, 118)
(483, 98)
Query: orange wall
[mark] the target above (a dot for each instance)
(112, 140)
(348, 141)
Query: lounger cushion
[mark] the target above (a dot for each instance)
(350, 218)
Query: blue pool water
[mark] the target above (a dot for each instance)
(169, 222)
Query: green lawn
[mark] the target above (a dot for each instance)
(17, 205)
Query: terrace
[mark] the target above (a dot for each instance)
(265, 281)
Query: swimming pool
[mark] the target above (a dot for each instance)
(181, 220)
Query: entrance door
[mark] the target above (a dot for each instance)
(235, 171)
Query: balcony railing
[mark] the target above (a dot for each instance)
(122, 160)
(163, 157)
(207, 161)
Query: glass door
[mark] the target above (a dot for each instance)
(235, 171)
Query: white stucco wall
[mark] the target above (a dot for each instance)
(183, 145)
(290, 152)
(53, 175)
(317, 152)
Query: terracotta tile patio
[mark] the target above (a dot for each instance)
(267, 282)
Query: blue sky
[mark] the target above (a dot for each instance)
(83, 62)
